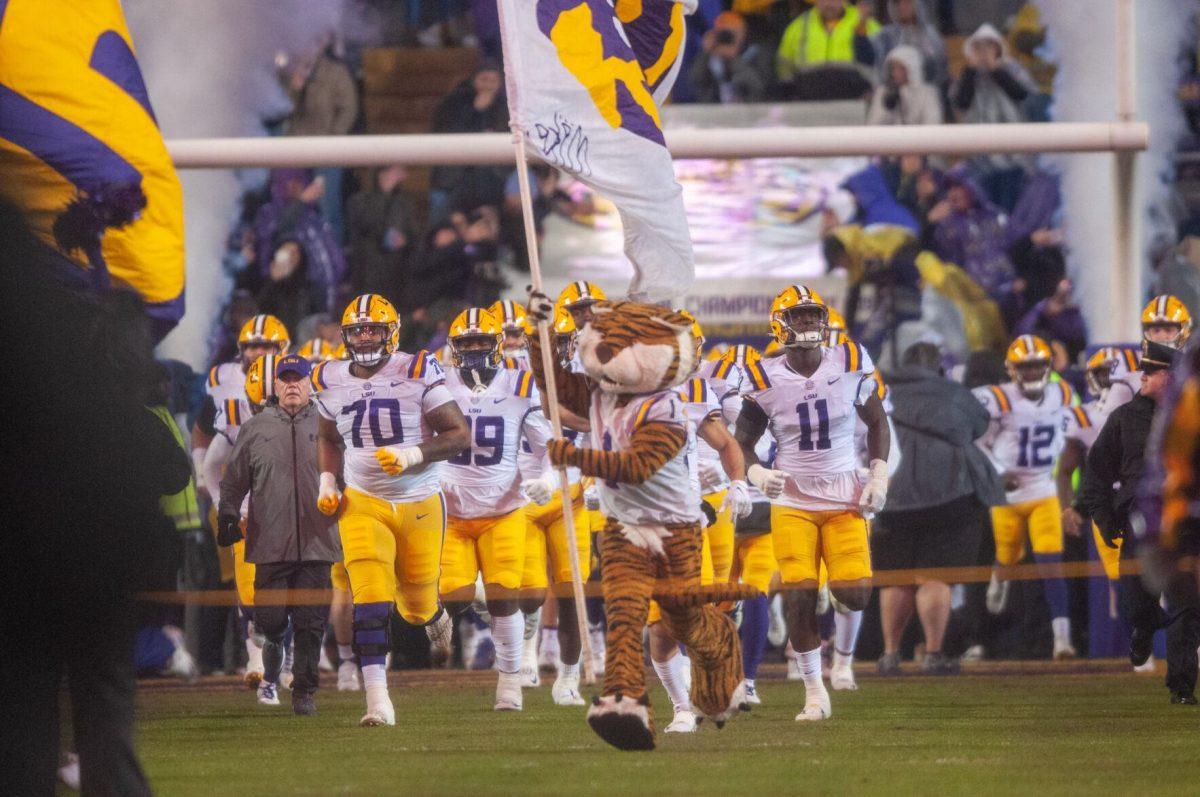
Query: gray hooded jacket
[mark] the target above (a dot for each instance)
(275, 461)
(937, 422)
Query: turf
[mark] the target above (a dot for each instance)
(1099, 733)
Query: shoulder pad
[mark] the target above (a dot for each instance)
(756, 372)
(1001, 398)
(852, 356)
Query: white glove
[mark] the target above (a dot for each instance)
(540, 491)
(770, 482)
(738, 499)
(198, 469)
(396, 459)
(591, 496)
(874, 494)
(712, 476)
(329, 497)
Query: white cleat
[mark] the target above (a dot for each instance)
(1064, 650)
(441, 636)
(379, 709)
(182, 665)
(817, 707)
(684, 721)
(565, 691)
(997, 594)
(530, 677)
(349, 679)
(508, 692)
(268, 695)
(254, 666)
(841, 678)
(751, 693)
(1148, 667)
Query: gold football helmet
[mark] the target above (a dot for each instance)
(263, 331)
(564, 336)
(1028, 363)
(475, 339)
(1166, 320)
(316, 350)
(260, 381)
(799, 317)
(836, 334)
(370, 312)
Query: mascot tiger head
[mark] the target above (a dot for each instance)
(634, 348)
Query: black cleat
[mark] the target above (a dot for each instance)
(1141, 644)
(303, 705)
(1183, 699)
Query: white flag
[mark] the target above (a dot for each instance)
(582, 88)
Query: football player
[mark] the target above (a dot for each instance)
(485, 531)
(213, 435)
(1031, 420)
(511, 316)
(1166, 320)
(387, 418)
(547, 554)
(810, 398)
(578, 298)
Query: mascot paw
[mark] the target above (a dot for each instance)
(622, 721)
(719, 691)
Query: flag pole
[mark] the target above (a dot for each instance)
(551, 394)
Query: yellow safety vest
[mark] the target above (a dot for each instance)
(806, 41)
(182, 507)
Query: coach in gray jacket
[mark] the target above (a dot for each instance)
(290, 542)
(937, 506)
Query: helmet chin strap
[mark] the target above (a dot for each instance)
(478, 378)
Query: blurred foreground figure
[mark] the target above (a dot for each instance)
(84, 469)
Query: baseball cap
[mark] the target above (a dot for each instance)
(1156, 357)
(293, 364)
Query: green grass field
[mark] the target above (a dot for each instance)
(1103, 732)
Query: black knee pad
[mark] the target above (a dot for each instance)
(372, 636)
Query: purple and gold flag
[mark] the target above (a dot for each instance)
(584, 88)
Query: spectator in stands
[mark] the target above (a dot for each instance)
(325, 103)
(937, 509)
(909, 25)
(904, 97)
(1035, 246)
(1058, 320)
(992, 89)
(1026, 34)
(292, 214)
(476, 105)
(1179, 270)
(730, 69)
(382, 232)
(826, 52)
(459, 263)
(969, 232)
(287, 294)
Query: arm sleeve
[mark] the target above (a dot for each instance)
(864, 52)
(532, 461)
(207, 416)
(235, 483)
(1009, 84)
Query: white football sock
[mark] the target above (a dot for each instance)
(532, 623)
(568, 670)
(346, 652)
(375, 675)
(506, 635)
(810, 668)
(845, 633)
(1061, 627)
(671, 674)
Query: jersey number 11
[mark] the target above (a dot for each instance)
(806, 437)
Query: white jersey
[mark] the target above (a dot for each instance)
(813, 419)
(1091, 417)
(484, 480)
(386, 409)
(671, 494)
(1026, 437)
(226, 386)
(727, 382)
(699, 404)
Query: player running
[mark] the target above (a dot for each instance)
(386, 418)
(1031, 420)
(485, 531)
(810, 398)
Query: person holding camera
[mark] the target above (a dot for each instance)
(291, 543)
(730, 70)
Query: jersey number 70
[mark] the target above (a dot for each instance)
(372, 410)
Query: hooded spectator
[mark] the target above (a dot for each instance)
(969, 232)
(286, 294)
(992, 89)
(730, 70)
(1026, 34)
(476, 105)
(323, 93)
(826, 52)
(910, 26)
(292, 214)
(382, 234)
(903, 97)
(1057, 319)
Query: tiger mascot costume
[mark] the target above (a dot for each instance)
(633, 355)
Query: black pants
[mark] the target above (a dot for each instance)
(1181, 620)
(308, 617)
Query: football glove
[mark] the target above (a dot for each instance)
(540, 307)
(874, 494)
(329, 498)
(1111, 536)
(229, 530)
(540, 491)
(396, 459)
(770, 482)
(737, 500)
